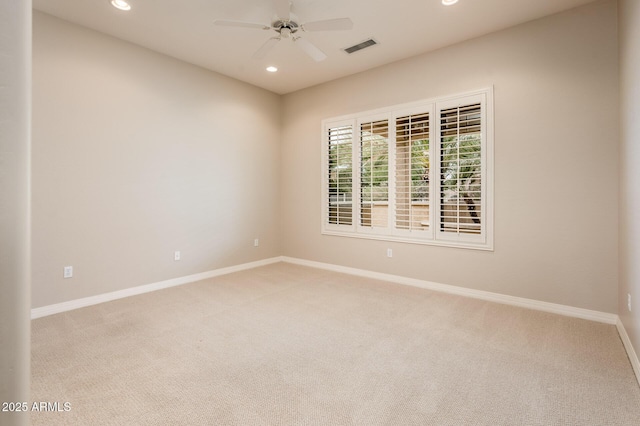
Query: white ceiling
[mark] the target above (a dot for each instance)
(184, 29)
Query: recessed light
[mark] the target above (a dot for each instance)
(272, 69)
(120, 4)
(449, 2)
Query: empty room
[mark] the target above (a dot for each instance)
(320, 212)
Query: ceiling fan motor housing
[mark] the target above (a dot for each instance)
(285, 28)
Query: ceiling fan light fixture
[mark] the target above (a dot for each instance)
(285, 32)
(120, 4)
(272, 69)
(449, 2)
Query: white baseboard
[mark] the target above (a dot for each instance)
(445, 288)
(633, 357)
(106, 297)
(565, 310)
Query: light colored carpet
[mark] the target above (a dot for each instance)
(290, 345)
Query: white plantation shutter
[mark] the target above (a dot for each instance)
(412, 172)
(374, 174)
(418, 173)
(339, 195)
(461, 170)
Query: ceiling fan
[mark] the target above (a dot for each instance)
(286, 26)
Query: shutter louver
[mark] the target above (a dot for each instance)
(412, 172)
(374, 174)
(340, 176)
(461, 170)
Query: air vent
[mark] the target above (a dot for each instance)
(360, 46)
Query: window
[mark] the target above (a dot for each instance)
(340, 180)
(374, 174)
(417, 173)
(412, 172)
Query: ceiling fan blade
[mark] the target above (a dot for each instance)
(260, 53)
(329, 25)
(223, 23)
(310, 49)
(283, 9)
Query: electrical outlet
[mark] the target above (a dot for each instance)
(629, 301)
(67, 272)
(176, 255)
(389, 253)
(256, 242)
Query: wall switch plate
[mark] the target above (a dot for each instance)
(389, 253)
(67, 272)
(256, 242)
(176, 255)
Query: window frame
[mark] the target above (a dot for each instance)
(433, 235)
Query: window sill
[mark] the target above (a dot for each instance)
(421, 241)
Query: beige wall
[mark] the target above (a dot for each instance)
(556, 149)
(15, 100)
(136, 155)
(629, 36)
